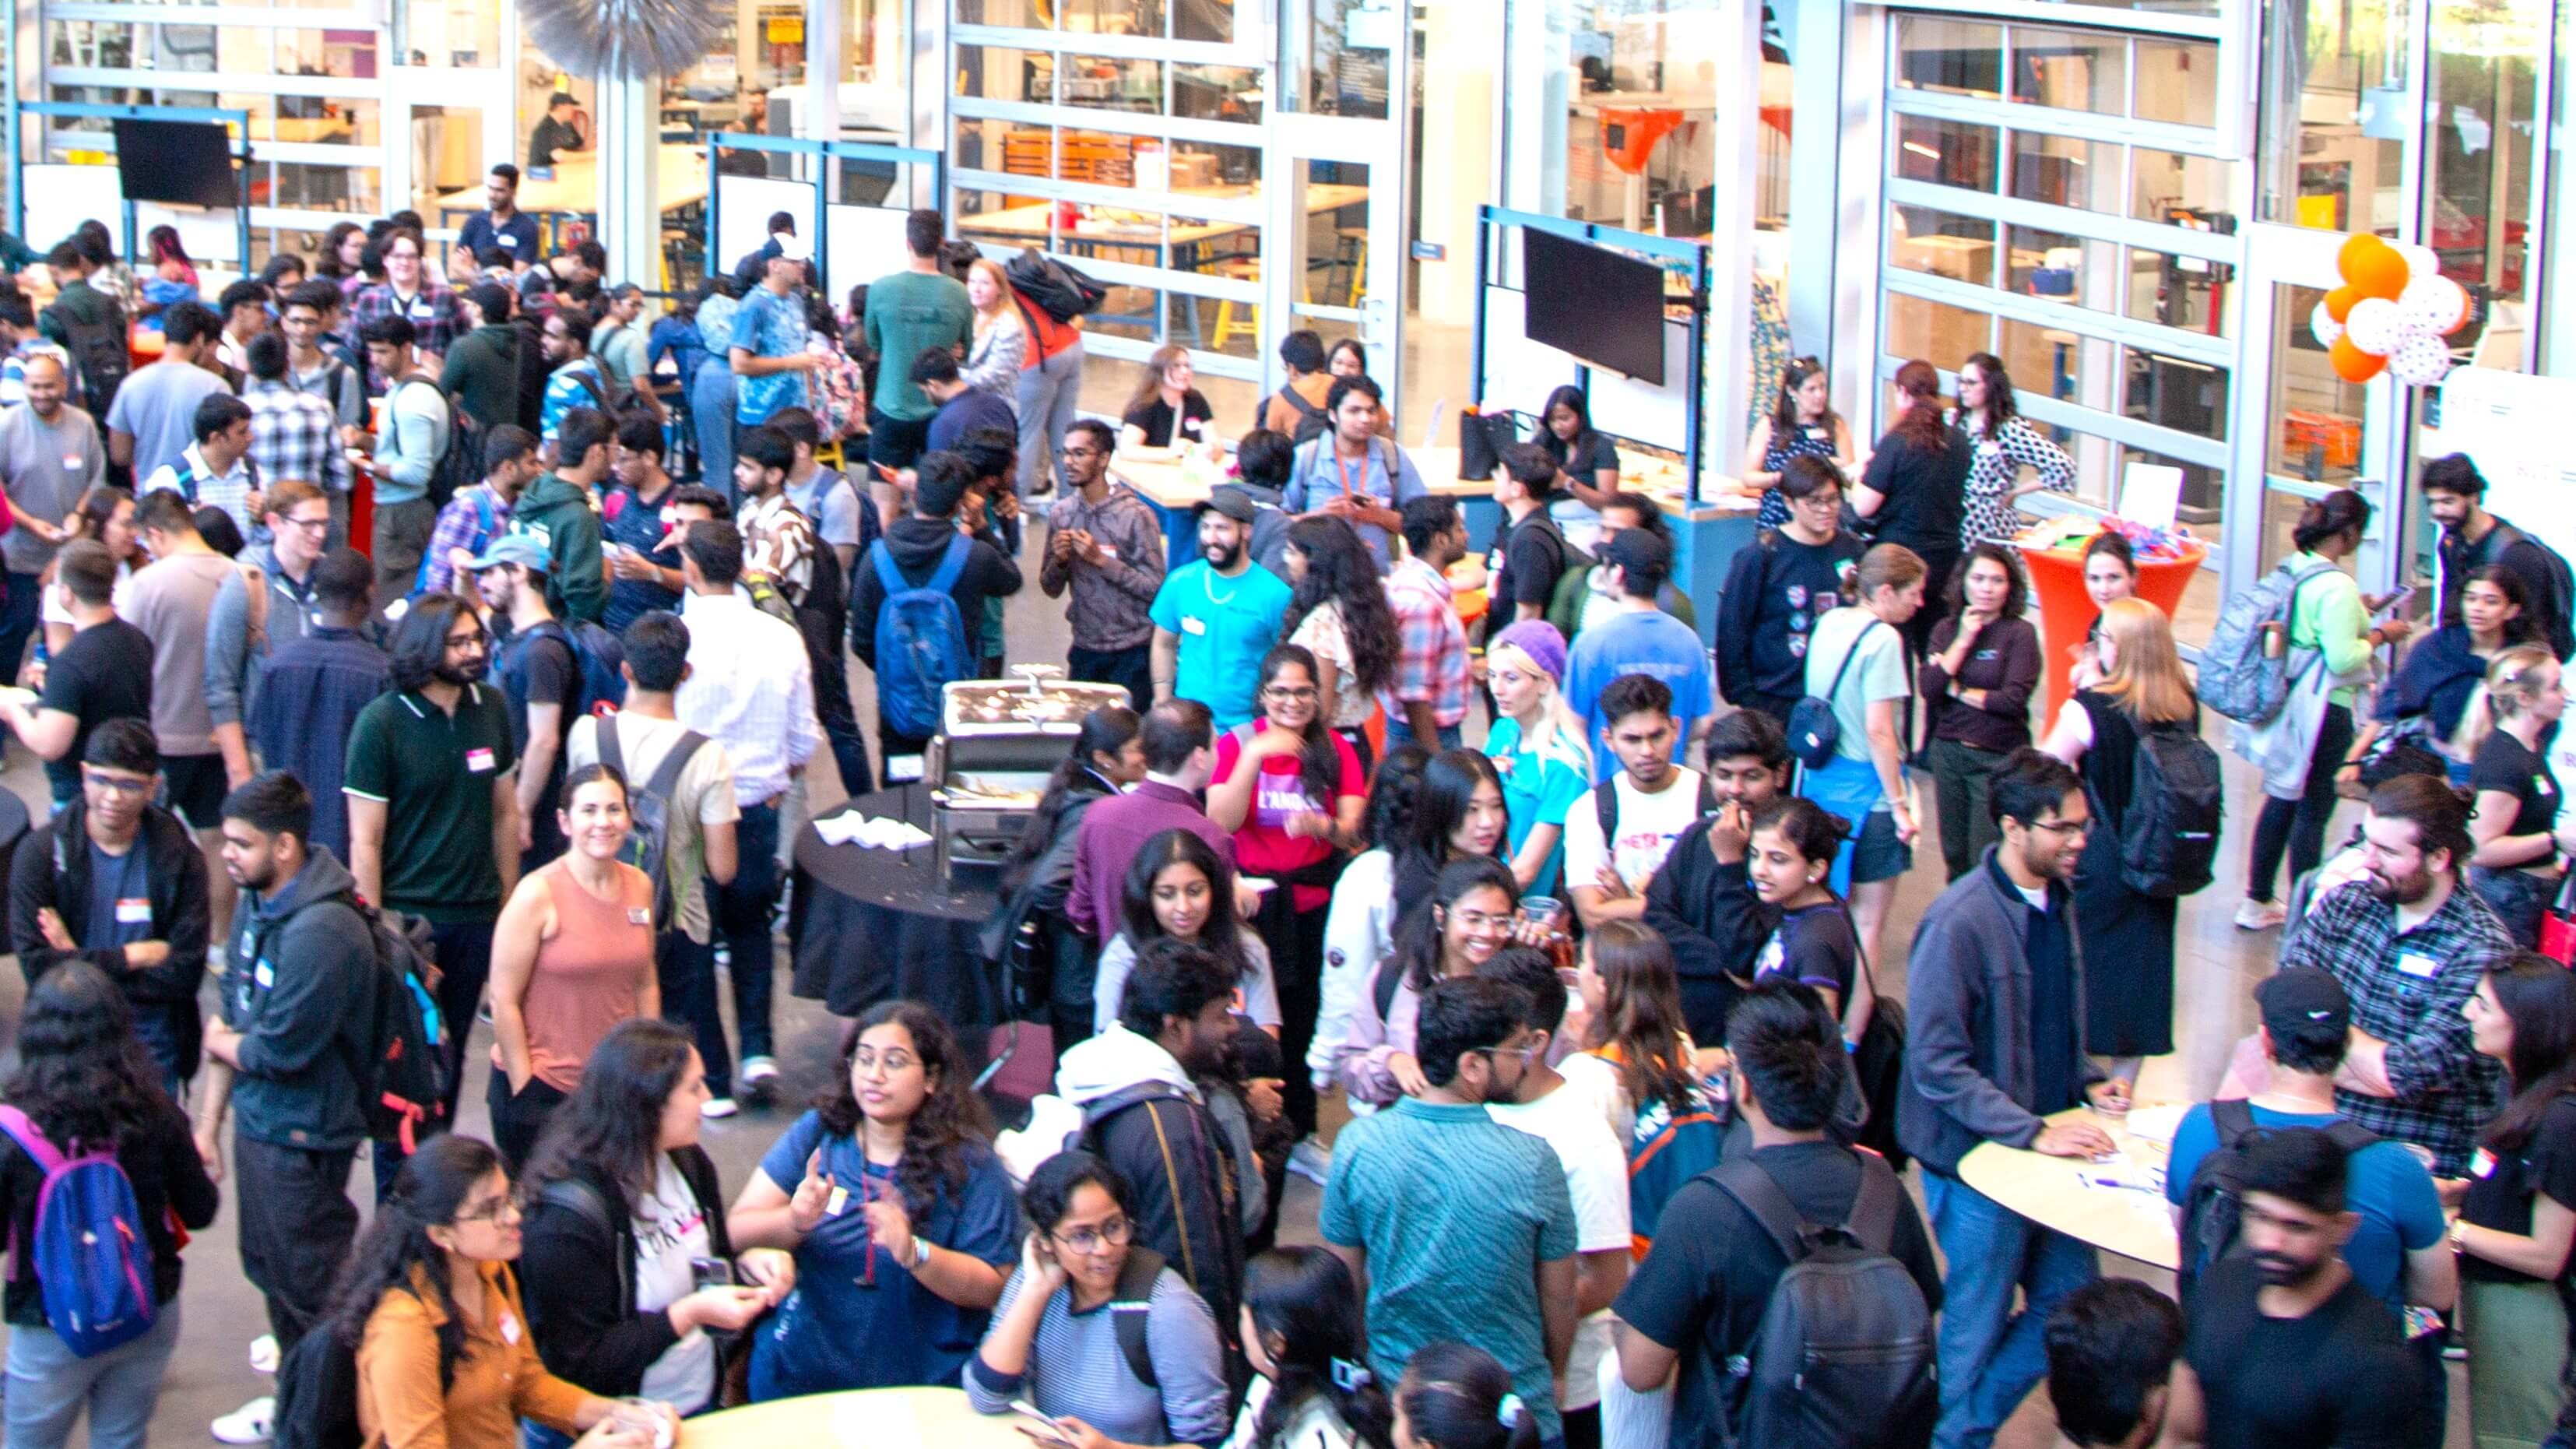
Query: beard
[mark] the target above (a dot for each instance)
(1222, 556)
(2404, 890)
(2278, 1271)
(461, 674)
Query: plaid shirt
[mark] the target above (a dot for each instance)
(2407, 989)
(1431, 653)
(460, 525)
(191, 478)
(295, 435)
(437, 318)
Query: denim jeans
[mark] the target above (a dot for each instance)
(49, 1384)
(711, 412)
(1400, 730)
(1048, 393)
(742, 913)
(1992, 1357)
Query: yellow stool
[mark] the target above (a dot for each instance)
(1354, 251)
(1241, 269)
(829, 455)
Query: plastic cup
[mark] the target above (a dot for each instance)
(1541, 910)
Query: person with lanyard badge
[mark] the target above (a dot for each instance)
(2518, 1208)
(1586, 462)
(2006, 444)
(409, 292)
(2516, 868)
(1216, 616)
(891, 1169)
(1802, 423)
(1538, 749)
(1167, 417)
(1354, 472)
(1857, 666)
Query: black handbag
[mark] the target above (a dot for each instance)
(1814, 733)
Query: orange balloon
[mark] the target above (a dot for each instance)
(2381, 273)
(2351, 363)
(2339, 302)
(2361, 244)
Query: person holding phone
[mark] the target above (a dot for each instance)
(1052, 1350)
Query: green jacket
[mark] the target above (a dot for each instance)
(560, 515)
(1565, 608)
(482, 374)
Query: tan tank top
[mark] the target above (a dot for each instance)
(589, 976)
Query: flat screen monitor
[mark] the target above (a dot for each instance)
(1600, 305)
(176, 163)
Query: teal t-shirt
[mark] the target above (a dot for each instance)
(1539, 787)
(908, 312)
(1225, 625)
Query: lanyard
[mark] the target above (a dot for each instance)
(1344, 472)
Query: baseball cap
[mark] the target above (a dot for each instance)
(2303, 998)
(1636, 548)
(1229, 500)
(791, 246)
(511, 548)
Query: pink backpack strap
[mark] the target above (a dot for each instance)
(31, 1140)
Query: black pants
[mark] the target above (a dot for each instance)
(832, 709)
(518, 1119)
(741, 913)
(464, 959)
(1133, 668)
(20, 615)
(296, 1225)
(2299, 826)
(1296, 942)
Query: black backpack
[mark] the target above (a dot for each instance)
(648, 841)
(317, 1394)
(1130, 1307)
(2177, 800)
(460, 463)
(1311, 420)
(1844, 1353)
(2558, 611)
(1057, 289)
(405, 1075)
(1814, 733)
(99, 352)
(2212, 1207)
(1605, 805)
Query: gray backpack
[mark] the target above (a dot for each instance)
(2237, 677)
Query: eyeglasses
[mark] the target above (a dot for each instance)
(469, 641)
(116, 784)
(1289, 694)
(1114, 1233)
(2064, 827)
(865, 1059)
(308, 525)
(1496, 1054)
(498, 1210)
(1481, 921)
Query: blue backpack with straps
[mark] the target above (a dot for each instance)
(486, 524)
(89, 1256)
(921, 640)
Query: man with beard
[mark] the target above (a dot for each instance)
(433, 808)
(541, 683)
(1104, 545)
(50, 455)
(1452, 1224)
(1217, 615)
(2287, 1349)
(2409, 948)
(1996, 999)
(1195, 1186)
(295, 1024)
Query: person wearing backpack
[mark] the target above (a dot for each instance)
(1617, 839)
(1354, 472)
(2398, 1250)
(1777, 591)
(480, 511)
(1732, 1276)
(90, 326)
(918, 604)
(560, 512)
(2118, 734)
(263, 606)
(541, 681)
(402, 458)
(294, 1035)
(89, 1144)
(1300, 408)
(1529, 556)
(2301, 748)
(2455, 495)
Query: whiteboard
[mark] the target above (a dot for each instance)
(61, 197)
(209, 236)
(743, 205)
(1519, 373)
(1656, 416)
(2513, 426)
(866, 243)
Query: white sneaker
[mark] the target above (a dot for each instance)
(717, 1107)
(759, 1078)
(263, 1354)
(249, 1424)
(1311, 1160)
(2260, 915)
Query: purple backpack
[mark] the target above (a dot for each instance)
(90, 1257)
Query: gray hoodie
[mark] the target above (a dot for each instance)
(233, 652)
(1117, 1059)
(302, 992)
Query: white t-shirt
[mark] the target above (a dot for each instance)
(1648, 826)
(1359, 932)
(1596, 1174)
(670, 1229)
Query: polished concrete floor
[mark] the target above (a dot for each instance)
(2215, 965)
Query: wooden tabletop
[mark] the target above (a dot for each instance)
(863, 1419)
(1029, 223)
(2051, 1191)
(574, 188)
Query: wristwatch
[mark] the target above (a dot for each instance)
(920, 1254)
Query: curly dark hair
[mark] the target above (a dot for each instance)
(1340, 570)
(937, 1135)
(395, 1251)
(83, 1075)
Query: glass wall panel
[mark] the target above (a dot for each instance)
(2483, 112)
(1954, 57)
(2333, 93)
(2065, 171)
(1962, 248)
(1920, 328)
(2167, 186)
(2312, 417)
(2071, 70)
(1945, 153)
(2177, 82)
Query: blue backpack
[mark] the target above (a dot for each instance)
(593, 649)
(90, 1257)
(921, 641)
(1667, 1150)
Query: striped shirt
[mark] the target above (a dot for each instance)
(1076, 1367)
(751, 690)
(1457, 1212)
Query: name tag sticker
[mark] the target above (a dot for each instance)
(479, 761)
(2418, 965)
(2540, 785)
(421, 311)
(638, 916)
(2482, 1164)
(509, 1328)
(1816, 431)
(264, 974)
(71, 462)
(508, 240)
(1193, 624)
(133, 910)
(1109, 551)
(839, 1199)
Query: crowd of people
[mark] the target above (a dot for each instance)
(1578, 1027)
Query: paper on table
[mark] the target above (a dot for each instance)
(873, 831)
(877, 1421)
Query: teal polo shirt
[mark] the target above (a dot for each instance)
(1456, 1211)
(433, 773)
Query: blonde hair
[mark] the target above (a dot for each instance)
(1003, 306)
(2512, 680)
(2146, 677)
(1888, 566)
(1566, 739)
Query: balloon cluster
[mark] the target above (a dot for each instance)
(2392, 311)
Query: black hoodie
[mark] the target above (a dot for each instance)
(1715, 924)
(917, 545)
(52, 870)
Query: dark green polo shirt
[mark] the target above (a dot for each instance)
(434, 773)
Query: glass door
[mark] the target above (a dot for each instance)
(449, 128)
(1337, 244)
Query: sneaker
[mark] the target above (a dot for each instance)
(759, 1078)
(1311, 1160)
(249, 1424)
(714, 1108)
(263, 1354)
(2260, 915)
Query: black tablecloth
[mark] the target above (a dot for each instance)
(872, 925)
